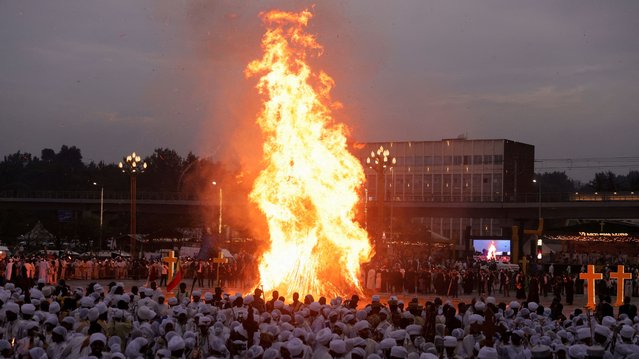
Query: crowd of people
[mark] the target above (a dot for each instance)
(56, 321)
(29, 269)
(42, 317)
(425, 275)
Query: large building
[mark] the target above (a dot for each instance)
(453, 170)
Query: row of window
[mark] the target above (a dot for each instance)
(420, 184)
(449, 160)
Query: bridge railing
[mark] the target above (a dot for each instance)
(519, 198)
(437, 198)
(95, 195)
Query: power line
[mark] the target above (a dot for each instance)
(585, 167)
(591, 159)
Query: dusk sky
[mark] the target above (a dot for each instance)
(115, 76)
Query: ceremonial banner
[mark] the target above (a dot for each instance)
(176, 279)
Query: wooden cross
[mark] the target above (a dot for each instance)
(524, 264)
(591, 276)
(171, 259)
(219, 260)
(489, 327)
(621, 277)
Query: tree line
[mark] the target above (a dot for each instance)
(169, 172)
(559, 182)
(65, 170)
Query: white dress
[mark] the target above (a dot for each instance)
(9, 270)
(43, 270)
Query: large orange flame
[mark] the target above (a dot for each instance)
(308, 189)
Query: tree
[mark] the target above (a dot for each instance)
(69, 158)
(604, 182)
(556, 182)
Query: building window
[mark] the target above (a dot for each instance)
(448, 160)
(437, 184)
(438, 160)
(499, 159)
(419, 161)
(428, 160)
(417, 186)
(488, 159)
(477, 159)
(457, 160)
(409, 161)
(468, 160)
(497, 182)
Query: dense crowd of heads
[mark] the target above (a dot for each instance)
(47, 321)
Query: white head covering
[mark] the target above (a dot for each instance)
(361, 325)
(399, 352)
(627, 332)
(28, 309)
(145, 313)
(487, 353)
(97, 337)
(37, 353)
(176, 343)
(271, 353)
(338, 346)
(295, 347)
(134, 347)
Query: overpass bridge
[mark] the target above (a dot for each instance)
(525, 206)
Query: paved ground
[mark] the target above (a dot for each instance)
(579, 300)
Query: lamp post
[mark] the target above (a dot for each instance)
(101, 213)
(379, 161)
(366, 208)
(133, 166)
(539, 195)
(392, 204)
(219, 226)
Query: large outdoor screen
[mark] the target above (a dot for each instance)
(492, 249)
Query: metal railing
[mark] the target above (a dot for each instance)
(436, 198)
(108, 195)
(519, 198)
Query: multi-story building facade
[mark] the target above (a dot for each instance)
(453, 170)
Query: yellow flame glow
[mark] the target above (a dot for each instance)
(308, 188)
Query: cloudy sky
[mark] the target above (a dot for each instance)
(115, 76)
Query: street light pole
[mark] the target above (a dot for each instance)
(133, 167)
(392, 205)
(366, 208)
(379, 161)
(101, 213)
(539, 195)
(219, 226)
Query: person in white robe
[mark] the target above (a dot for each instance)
(9, 270)
(43, 270)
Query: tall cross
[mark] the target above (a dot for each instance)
(620, 276)
(219, 260)
(489, 328)
(171, 259)
(591, 276)
(524, 264)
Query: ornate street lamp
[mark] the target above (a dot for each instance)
(133, 165)
(380, 161)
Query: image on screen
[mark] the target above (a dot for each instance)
(492, 249)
